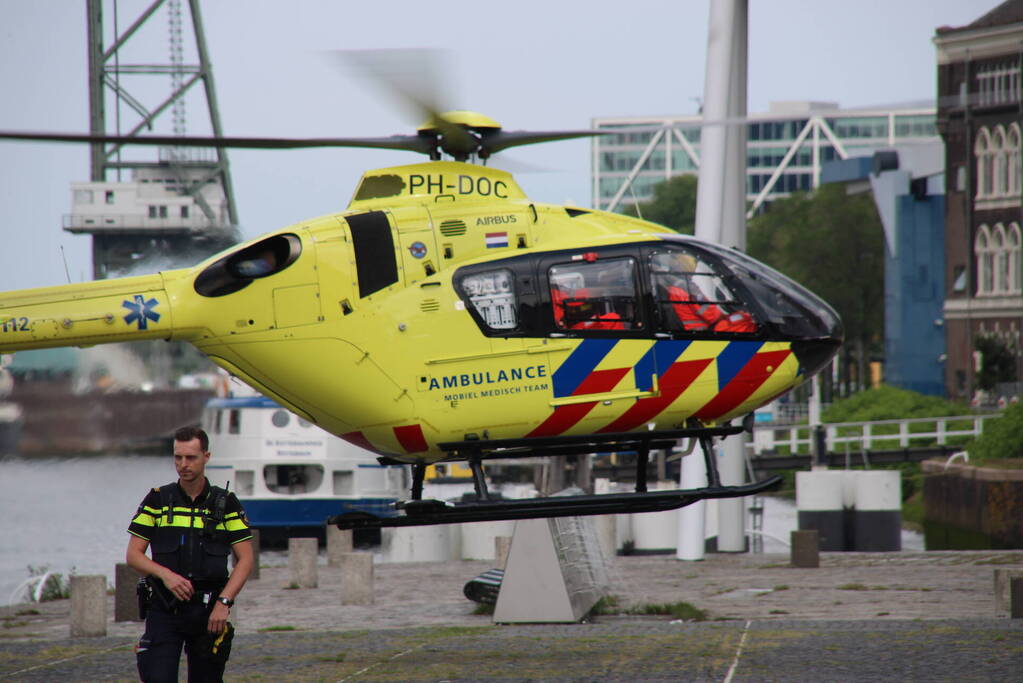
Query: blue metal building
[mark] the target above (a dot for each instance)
(908, 188)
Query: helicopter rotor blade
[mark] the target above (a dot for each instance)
(412, 143)
(493, 143)
(412, 76)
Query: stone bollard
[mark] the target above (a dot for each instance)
(1016, 597)
(502, 544)
(339, 541)
(126, 599)
(302, 561)
(806, 549)
(357, 579)
(1002, 597)
(88, 606)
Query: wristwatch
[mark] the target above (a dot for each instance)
(225, 601)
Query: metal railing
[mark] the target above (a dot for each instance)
(866, 436)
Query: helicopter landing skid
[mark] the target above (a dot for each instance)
(426, 512)
(419, 512)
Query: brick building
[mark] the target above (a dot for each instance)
(980, 111)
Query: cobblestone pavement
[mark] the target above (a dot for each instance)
(860, 616)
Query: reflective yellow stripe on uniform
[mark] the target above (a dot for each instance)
(145, 519)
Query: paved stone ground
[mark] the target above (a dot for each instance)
(861, 616)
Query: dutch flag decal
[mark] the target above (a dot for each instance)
(496, 240)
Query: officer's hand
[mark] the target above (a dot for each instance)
(178, 585)
(218, 618)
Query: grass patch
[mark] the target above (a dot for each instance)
(14, 624)
(282, 627)
(781, 587)
(457, 631)
(778, 611)
(883, 614)
(853, 587)
(339, 657)
(677, 610)
(1001, 559)
(293, 586)
(606, 605)
(26, 612)
(483, 609)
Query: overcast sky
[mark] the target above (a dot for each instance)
(542, 65)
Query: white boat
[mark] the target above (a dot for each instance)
(289, 473)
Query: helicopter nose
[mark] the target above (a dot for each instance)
(790, 311)
(822, 337)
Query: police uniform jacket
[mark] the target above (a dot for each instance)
(184, 534)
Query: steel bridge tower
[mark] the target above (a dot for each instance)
(179, 204)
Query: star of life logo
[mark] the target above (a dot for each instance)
(141, 311)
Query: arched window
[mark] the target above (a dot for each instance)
(985, 267)
(1000, 164)
(1015, 262)
(982, 151)
(1000, 256)
(1015, 170)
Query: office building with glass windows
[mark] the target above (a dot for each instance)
(785, 148)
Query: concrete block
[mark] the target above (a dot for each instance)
(339, 541)
(1016, 597)
(607, 533)
(302, 554)
(88, 606)
(356, 579)
(806, 549)
(502, 544)
(126, 601)
(1002, 597)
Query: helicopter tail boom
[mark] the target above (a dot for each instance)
(84, 314)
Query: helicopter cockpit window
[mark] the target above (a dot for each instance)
(492, 296)
(595, 294)
(786, 304)
(237, 271)
(691, 296)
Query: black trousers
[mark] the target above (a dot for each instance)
(159, 650)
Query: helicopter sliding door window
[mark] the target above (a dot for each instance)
(492, 296)
(375, 262)
(595, 294)
(237, 270)
(692, 298)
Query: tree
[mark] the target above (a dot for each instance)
(997, 362)
(673, 204)
(833, 244)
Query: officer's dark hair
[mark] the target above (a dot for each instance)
(189, 433)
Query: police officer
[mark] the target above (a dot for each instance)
(190, 526)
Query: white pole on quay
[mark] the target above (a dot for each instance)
(721, 218)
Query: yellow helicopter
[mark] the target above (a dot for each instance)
(444, 316)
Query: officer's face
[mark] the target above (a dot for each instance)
(190, 460)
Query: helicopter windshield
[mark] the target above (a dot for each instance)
(790, 307)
